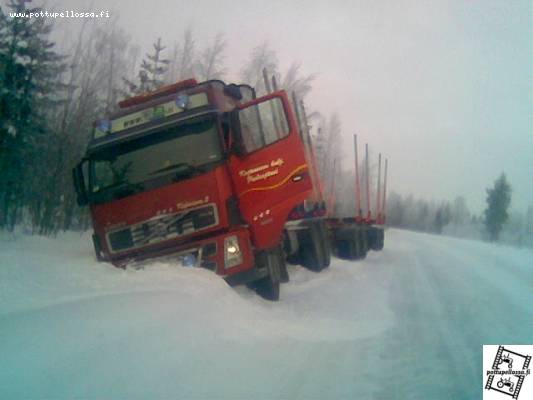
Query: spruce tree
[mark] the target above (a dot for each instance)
(498, 201)
(152, 72)
(29, 70)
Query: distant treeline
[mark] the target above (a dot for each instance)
(455, 219)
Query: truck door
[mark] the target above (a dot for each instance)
(269, 168)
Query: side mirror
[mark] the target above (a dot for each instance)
(238, 146)
(79, 184)
(233, 90)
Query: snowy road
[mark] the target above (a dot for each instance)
(406, 323)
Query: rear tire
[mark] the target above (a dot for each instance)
(381, 239)
(363, 243)
(284, 273)
(326, 242)
(313, 252)
(373, 241)
(351, 242)
(346, 249)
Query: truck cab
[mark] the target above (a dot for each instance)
(205, 172)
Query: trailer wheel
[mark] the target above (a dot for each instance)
(351, 242)
(268, 287)
(312, 249)
(381, 239)
(345, 249)
(362, 240)
(373, 241)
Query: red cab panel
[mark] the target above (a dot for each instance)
(272, 175)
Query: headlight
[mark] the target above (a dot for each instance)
(232, 252)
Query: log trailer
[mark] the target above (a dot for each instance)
(210, 175)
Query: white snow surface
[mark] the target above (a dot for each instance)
(408, 322)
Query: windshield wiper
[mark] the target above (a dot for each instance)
(188, 172)
(185, 170)
(171, 167)
(124, 188)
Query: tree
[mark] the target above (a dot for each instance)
(29, 88)
(210, 64)
(498, 201)
(442, 218)
(294, 82)
(182, 59)
(262, 57)
(98, 58)
(152, 71)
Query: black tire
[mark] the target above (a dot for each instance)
(97, 248)
(362, 239)
(268, 287)
(326, 242)
(351, 242)
(346, 249)
(312, 252)
(381, 239)
(373, 239)
(283, 272)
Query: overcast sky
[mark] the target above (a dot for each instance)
(442, 88)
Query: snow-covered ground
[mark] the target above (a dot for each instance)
(406, 323)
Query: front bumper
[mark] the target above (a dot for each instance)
(209, 251)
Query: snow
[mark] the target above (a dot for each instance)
(407, 322)
(22, 59)
(11, 130)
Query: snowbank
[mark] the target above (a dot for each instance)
(71, 327)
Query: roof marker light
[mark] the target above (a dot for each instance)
(104, 125)
(182, 101)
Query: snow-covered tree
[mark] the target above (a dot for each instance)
(29, 87)
(210, 63)
(498, 201)
(294, 82)
(182, 59)
(262, 57)
(442, 218)
(152, 72)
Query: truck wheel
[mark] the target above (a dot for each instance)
(312, 251)
(326, 242)
(345, 249)
(268, 287)
(97, 248)
(381, 239)
(372, 235)
(362, 244)
(284, 273)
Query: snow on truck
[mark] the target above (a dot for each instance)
(217, 178)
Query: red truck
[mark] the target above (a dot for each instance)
(209, 174)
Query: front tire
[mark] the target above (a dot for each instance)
(268, 287)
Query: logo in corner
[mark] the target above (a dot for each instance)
(508, 373)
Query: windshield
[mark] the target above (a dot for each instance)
(178, 151)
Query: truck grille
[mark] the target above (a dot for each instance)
(162, 228)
